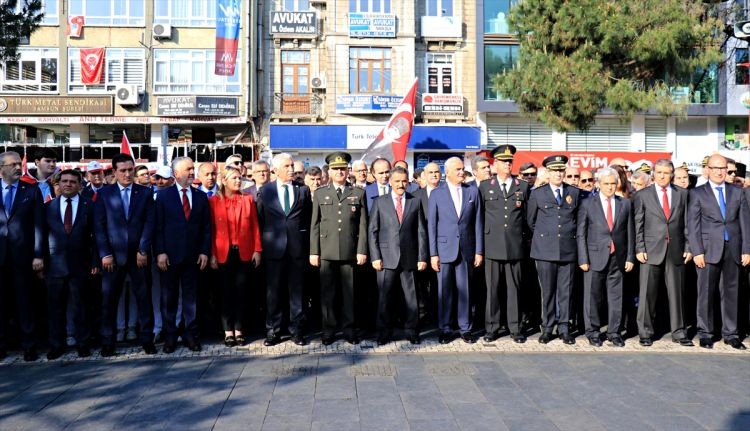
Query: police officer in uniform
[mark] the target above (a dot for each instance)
(338, 241)
(504, 198)
(552, 212)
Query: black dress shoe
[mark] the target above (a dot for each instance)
(194, 346)
(108, 351)
(83, 351)
(545, 338)
(568, 339)
(327, 340)
(383, 340)
(230, 341)
(490, 337)
(468, 338)
(735, 343)
(30, 355)
(595, 341)
(706, 343)
(519, 338)
(169, 347)
(617, 341)
(414, 339)
(685, 342)
(55, 353)
(239, 339)
(299, 339)
(149, 348)
(645, 342)
(445, 337)
(272, 340)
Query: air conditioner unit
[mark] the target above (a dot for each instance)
(126, 94)
(162, 31)
(318, 82)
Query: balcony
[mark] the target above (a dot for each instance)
(441, 27)
(297, 106)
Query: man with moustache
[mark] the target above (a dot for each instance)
(661, 246)
(398, 248)
(586, 182)
(572, 176)
(482, 169)
(313, 178)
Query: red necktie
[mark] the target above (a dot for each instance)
(399, 209)
(610, 223)
(665, 204)
(185, 204)
(68, 219)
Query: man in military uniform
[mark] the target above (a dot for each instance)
(551, 215)
(338, 240)
(504, 198)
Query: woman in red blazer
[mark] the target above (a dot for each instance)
(235, 250)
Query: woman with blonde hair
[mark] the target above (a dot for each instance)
(235, 250)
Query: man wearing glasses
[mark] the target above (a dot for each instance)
(359, 169)
(586, 182)
(719, 238)
(572, 176)
(731, 171)
(528, 173)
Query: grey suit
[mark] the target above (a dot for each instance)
(664, 241)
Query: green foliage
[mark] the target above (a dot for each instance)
(578, 57)
(17, 26)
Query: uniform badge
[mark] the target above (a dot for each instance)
(568, 199)
(492, 191)
(328, 197)
(518, 204)
(354, 209)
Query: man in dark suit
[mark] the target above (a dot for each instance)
(182, 245)
(551, 215)
(427, 279)
(411, 186)
(21, 249)
(338, 241)
(95, 175)
(661, 246)
(123, 227)
(398, 248)
(504, 200)
(605, 236)
(284, 218)
(719, 236)
(381, 170)
(455, 230)
(69, 226)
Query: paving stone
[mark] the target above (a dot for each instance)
(335, 411)
(432, 425)
(425, 407)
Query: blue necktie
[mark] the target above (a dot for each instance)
(558, 197)
(210, 193)
(126, 201)
(8, 202)
(723, 209)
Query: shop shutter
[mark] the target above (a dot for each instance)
(523, 133)
(606, 134)
(656, 134)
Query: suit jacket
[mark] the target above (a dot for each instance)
(553, 226)
(594, 236)
(249, 240)
(182, 240)
(372, 192)
(654, 234)
(22, 233)
(449, 232)
(120, 236)
(338, 227)
(282, 233)
(394, 242)
(504, 218)
(88, 192)
(70, 254)
(706, 225)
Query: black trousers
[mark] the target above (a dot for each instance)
(722, 278)
(235, 286)
(556, 279)
(112, 285)
(503, 280)
(337, 279)
(17, 283)
(285, 282)
(597, 285)
(651, 277)
(388, 280)
(183, 275)
(60, 290)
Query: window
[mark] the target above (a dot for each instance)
(49, 7)
(34, 71)
(497, 59)
(109, 12)
(439, 8)
(369, 70)
(440, 73)
(191, 71)
(186, 13)
(121, 66)
(496, 15)
(381, 6)
(296, 5)
(741, 73)
(295, 75)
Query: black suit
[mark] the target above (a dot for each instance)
(21, 241)
(504, 226)
(70, 258)
(286, 250)
(426, 281)
(664, 241)
(400, 246)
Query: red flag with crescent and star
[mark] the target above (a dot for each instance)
(92, 65)
(392, 141)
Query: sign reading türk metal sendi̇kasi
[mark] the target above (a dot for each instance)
(56, 105)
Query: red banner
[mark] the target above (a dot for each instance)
(92, 65)
(589, 160)
(75, 25)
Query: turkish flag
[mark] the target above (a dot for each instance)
(393, 139)
(125, 145)
(92, 65)
(75, 25)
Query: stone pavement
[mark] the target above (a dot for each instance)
(467, 387)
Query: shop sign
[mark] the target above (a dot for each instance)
(56, 105)
(304, 23)
(442, 104)
(367, 104)
(366, 24)
(178, 106)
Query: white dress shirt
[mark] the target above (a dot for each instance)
(64, 206)
(280, 192)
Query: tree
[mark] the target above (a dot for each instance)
(17, 25)
(578, 57)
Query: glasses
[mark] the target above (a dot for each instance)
(587, 180)
(731, 172)
(572, 176)
(237, 163)
(528, 174)
(13, 165)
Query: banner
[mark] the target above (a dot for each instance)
(75, 25)
(125, 145)
(393, 139)
(589, 160)
(92, 65)
(227, 36)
